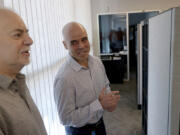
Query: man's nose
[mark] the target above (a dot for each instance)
(81, 44)
(28, 40)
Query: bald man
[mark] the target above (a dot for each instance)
(81, 87)
(18, 113)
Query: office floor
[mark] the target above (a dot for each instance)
(126, 119)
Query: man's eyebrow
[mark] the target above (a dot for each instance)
(73, 41)
(21, 30)
(84, 37)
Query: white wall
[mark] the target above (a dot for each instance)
(1, 3)
(83, 16)
(116, 6)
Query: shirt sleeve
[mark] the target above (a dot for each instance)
(65, 98)
(107, 83)
(1, 133)
(3, 127)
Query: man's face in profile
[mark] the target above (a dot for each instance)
(14, 40)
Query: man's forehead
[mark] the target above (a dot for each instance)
(73, 30)
(7, 13)
(76, 35)
(10, 21)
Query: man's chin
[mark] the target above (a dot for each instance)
(26, 62)
(84, 55)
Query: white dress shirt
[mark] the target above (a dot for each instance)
(76, 92)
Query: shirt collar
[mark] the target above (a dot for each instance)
(75, 65)
(5, 81)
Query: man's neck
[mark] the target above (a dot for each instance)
(84, 64)
(12, 75)
(9, 71)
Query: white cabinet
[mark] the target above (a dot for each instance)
(164, 73)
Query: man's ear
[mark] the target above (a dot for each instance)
(65, 45)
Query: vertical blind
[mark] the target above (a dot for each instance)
(44, 19)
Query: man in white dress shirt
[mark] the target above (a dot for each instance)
(81, 87)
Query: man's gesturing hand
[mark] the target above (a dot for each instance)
(109, 101)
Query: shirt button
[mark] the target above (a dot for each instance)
(16, 90)
(13, 81)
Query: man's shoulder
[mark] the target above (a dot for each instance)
(95, 59)
(64, 70)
